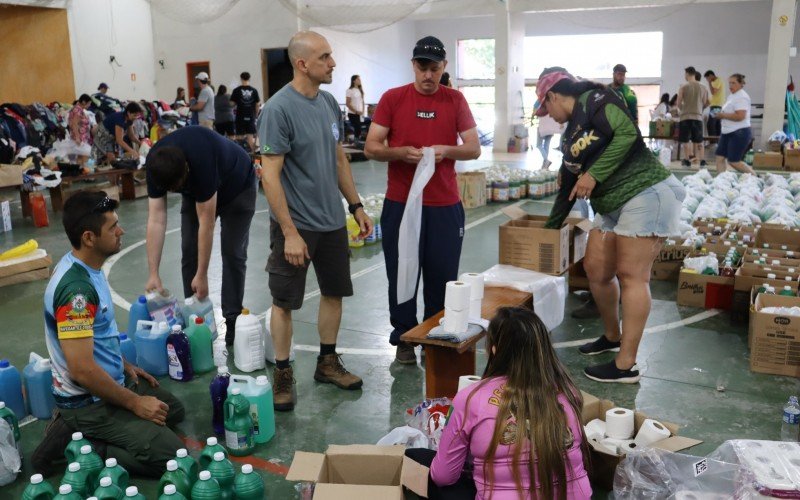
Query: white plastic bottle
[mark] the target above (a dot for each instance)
(791, 420)
(248, 346)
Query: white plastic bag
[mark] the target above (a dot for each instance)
(269, 350)
(549, 292)
(10, 462)
(665, 156)
(407, 436)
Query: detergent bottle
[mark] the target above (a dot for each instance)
(219, 392)
(119, 476)
(65, 493)
(91, 464)
(186, 464)
(179, 356)
(171, 493)
(222, 470)
(176, 477)
(200, 343)
(258, 392)
(38, 489)
(206, 487)
(132, 493)
(151, 347)
(137, 313)
(76, 479)
(207, 455)
(238, 424)
(107, 490)
(73, 449)
(38, 381)
(248, 485)
(202, 309)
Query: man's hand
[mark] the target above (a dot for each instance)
(441, 152)
(152, 409)
(154, 284)
(295, 250)
(583, 188)
(200, 285)
(411, 155)
(134, 372)
(364, 222)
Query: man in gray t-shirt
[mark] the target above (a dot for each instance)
(205, 102)
(305, 174)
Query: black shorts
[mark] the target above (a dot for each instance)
(329, 253)
(224, 128)
(245, 125)
(690, 131)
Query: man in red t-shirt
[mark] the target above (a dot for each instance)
(408, 118)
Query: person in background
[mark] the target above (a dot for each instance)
(715, 102)
(246, 100)
(223, 112)
(116, 135)
(662, 109)
(79, 126)
(692, 98)
(105, 102)
(519, 429)
(180, 98)
(354, 101)
(445, 81)
(673, 107)
(544, 133)
(736, 133)
(204, 106)
(625, 92)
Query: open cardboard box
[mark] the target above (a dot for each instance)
(750, 276)
(777, 237)
(774, 339)
(668, 264)
(703, 290)
(524, 242)
(579, 228)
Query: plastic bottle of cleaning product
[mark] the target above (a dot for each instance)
(38, 209)
(132, 493)
(11, 388)
(10, 417)
(38, 489)
(222, 470)
(200, 343)
(151, 347)
(38, 381)
(258, 392)
(128, 348)
(171, 493)
(179, 355)
(164, 307)
(248, 346)
(791, 420)
(73, 449)
(187, 464)
(76, 478)
(65, 493)
(763, 288)
(207, 455)
(787, 291)
(137, 313)
(202, 309)
(206, 487)
(219, 392)
(119, 476)
(238, 424)
(91, 464)
(176, 477)
(107, 490)
(248, 485)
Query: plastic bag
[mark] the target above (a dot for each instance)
(430, 417)
(10, 462)
(767, 468)
(549, 292)
(407, 436)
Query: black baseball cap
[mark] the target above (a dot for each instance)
(430, 48)
(620, 68)
(102, 86)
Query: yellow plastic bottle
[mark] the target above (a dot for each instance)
(353, 232)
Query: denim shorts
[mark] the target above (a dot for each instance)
(653, 212)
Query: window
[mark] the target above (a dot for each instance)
(476, 59)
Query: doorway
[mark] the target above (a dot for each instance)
(276, 70)
(192, 69)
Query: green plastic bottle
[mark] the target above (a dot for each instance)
(201, 347)
(206, 488)
(38, 489)
(222, 470)
(207, 455)
(108, 490)
(65, 493)
(177, 477)
(248, 485)
(787, 291)
(9, 416)
(187, 464)
(132, 493)
(762, 288)
(91, 464)
(170, 493)
(76, 478)
(74, 447)
(238, 424)
(118, 474)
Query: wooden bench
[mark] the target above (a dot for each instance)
(121, 176)
(446, 361)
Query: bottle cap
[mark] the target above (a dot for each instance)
(198, 320)
(189, 301)
(212, 441)
(787, 288)
(4, 363)
(74, 467)
(142, 299)
(111, 462)
(86, 449)
(105, 482)
(219, 456)
(36, 479)
(172, 465)
(771, 276)
(64, 489)
(262, 380)
(222, 370)
(182, 453)
(2, 405)
(170, 489)
(92, 498)
(77, 436)
(245, 311)
(776, 262)
(247, 469)
(131, 491)
(205, 475)
(176, 329)
(236, 391)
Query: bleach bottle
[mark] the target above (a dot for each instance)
(179, 356)
(258, 392)
(206, 488)
(128, 348)
(238, 424)
(151, 347)
(38, 489)
(76, 479)
(248, 485)
(38, 380)
(132, 493)
(73, 449)
(164, 307)
(137, 313)
(65, 493)
(207, 455)
(222, 470)
(200, 342)
(119, 476)
(91, 464)
(202, 309)
(248, 346)
(176, 477)
(186, 464)
(11, 388)
(107, 490)
(171, 493)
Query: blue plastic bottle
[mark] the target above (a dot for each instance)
(137, 313)
(151, 347)
(11, 388)
(128, 348)
(219, 392)
(179, 355)
(38, 380)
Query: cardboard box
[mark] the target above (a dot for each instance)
(706, 291)
(578, 237)
(778, 238)
(524, 242)
(353, 471)
(768, 160)
(11, 175)
(775, 338)
(5, 216)
(604, 465)
(35, 261)
(791, 159)
(750, 276)
(472, 188)
(668, 264)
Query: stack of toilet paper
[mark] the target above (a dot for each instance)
(773, 467)
(615, 435)
(475, 281)
(457, 297)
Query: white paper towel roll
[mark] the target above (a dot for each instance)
(457, 295)
(455, 321)
(475, 306)
(467, 380)
(651, 432)
(619, 423)
(475, 280)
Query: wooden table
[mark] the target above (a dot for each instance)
(446, 361)
(122, 176)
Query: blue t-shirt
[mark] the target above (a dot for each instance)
(216, 165)
(77, 304)
(116, 120)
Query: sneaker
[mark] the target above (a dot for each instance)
(284, 393)
(330, 370)
(48, 457)
(588, 310)
(608, 372)
(599, 346)
(686, 163)
(703, 163)
(405, 354)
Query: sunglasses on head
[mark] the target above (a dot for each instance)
(434, 48)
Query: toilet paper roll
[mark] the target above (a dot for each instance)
(475, 308)
(596, 429)
(455, 321)
(619, 423)
(466, 381)
(651, 432)
(457, 295)
(475, 280)
(620, 446)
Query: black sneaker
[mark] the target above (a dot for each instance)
(608, 372)
(703, 163)
(686, 163)
(599, 346)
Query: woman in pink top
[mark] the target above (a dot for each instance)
(524, 381)
(79, 122)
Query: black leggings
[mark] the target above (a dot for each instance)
(355, 121)
(463, 489)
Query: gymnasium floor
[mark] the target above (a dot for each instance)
(685, 353)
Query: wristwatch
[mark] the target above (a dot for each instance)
(352, 208)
